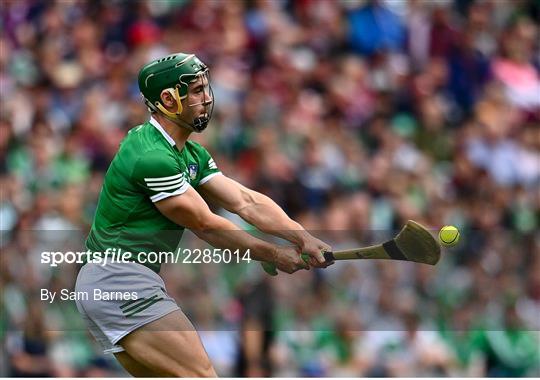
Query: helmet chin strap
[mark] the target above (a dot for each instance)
(200, 123)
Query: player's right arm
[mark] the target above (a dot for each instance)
(162, 179)
(191, 211)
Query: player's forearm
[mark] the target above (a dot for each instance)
(268, 217)
(222, 233)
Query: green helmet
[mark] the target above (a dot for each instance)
(174, 71)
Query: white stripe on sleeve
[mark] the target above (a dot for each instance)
(160, 184)
(163, 195)
(168, 187)
(208, 178)
(160, 179)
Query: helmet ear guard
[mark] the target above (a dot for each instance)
(176, 96)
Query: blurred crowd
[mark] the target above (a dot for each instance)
(354, 116)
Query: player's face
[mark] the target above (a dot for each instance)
(199, 99)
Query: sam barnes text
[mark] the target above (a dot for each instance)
(96, 295)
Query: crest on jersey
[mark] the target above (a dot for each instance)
(193, 171)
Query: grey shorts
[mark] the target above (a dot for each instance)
(116, 299)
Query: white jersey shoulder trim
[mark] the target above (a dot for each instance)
(163, 195)
(208, 178)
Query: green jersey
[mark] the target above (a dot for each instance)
(147, 168)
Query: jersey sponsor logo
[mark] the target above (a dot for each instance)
(212, 164)
(165, 183)
(193, 171)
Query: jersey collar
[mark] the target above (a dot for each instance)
(160, 128)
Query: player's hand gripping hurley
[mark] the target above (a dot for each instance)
(413, 243)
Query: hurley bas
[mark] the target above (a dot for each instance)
(96, 295)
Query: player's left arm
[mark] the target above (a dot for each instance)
(263, 213)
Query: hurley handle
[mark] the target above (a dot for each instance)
(271, 269)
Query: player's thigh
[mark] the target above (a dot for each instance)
(133, 367)
(169, 346)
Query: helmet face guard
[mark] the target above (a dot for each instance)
(173, 74)
(201, 122)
